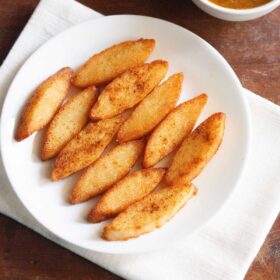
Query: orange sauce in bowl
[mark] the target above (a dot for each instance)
(240, 4)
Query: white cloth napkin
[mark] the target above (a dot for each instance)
(227, 245)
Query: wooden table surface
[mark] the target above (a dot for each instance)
(253, 50)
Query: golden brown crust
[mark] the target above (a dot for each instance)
(150, 213)
(169, 134)
(68, 121)
(196, 150)
(130, 189)
(44, 103)
(128, 89)
(152, 109)
(106, 171)
(86, 147)
(105, 66)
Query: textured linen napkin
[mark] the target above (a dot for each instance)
(225, 247)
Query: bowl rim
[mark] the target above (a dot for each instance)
(265, 7)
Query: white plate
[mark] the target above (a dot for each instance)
(205, 70)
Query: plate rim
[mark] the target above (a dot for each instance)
(173, 242)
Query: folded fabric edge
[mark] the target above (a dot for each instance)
(86, 13)
(269, 104)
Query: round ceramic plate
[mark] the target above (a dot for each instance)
(205, 70)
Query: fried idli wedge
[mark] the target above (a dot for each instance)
(150, 213)
(106, 171)
(86, 147)
(44, 103)
(68, 122)
(110, 63)
(129, 190)
(172, 130)
(196, 150)
(128, 89)
(152, 109)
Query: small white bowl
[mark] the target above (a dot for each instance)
(234, 14)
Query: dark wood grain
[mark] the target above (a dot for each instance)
(253, 50)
